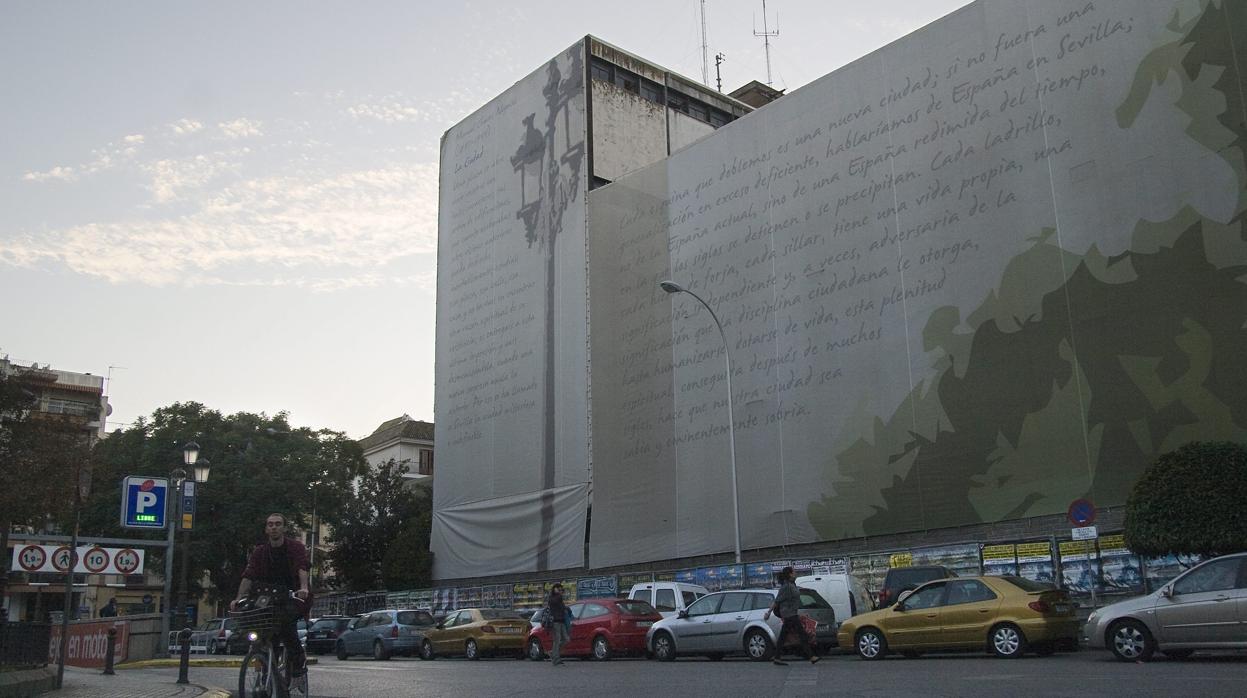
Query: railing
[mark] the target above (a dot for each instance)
(24, 644)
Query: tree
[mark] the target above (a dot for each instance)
(260, 465)
(382, 537)
(40, 454)
(1190, 501)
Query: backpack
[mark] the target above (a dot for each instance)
(547, 618)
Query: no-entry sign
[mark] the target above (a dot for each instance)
(1081, 512)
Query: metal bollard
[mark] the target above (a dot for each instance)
(110, 652)
(184, 638)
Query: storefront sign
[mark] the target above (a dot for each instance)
(88, 643)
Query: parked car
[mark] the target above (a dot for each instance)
(601, 629)
(1202, 608)
(211, 636)
(899, 579)
(384, 633)
(1004, 615)
(474, 632)
(322, 635)
(728, 622)
(844, 592)
(668, 598)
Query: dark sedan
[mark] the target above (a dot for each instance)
(322, 637)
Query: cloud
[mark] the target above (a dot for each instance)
(184, 127)
(240, 128)
(321, 232)
(171, 177)
(58, 173)
(135, 139)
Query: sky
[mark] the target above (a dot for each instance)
(235, 203)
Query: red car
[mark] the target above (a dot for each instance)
(601, 629)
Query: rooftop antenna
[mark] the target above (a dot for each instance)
(766, 35)
(705, 48)
(718, 76)
(108, 380)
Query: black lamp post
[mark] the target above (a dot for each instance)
(199, 469)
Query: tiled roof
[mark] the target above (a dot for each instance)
(403, 427)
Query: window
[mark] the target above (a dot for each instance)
(593, 610)
(929, 596)
(698, 111)
(689, 597)
(651, 91)
(426, 461)
(734, 602)
(641, 594)
(706, 605)
(601, 70)
(634, 608)
(761, 602)
(664, 599)
(1028, 585)
(968, 591)
(628, 81)
(1218, 575)
(811, 599)
(415, 618)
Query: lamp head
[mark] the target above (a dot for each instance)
(202, 466)
(190, 453)
(670, 286)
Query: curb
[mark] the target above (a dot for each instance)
(210, 692)
(208, 663)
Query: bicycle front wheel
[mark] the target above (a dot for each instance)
(253, 677)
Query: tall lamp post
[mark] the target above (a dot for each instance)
(673, 288)
(199, 469)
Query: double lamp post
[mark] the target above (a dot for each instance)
(197, 468)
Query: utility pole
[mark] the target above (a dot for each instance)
(718, 76)
(766, 35)
(705, 49)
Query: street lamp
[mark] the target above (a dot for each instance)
(199, 468)
(673, 288)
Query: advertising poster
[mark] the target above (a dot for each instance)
(686, 576)
(496, 596)
(1000, 560)
(596, 587)
(627, 581)
(758, 575)
(870, 570)
(468, 597)
(1165, 567)
(665, 576)
(962, 559)
(1035, 562)
(826, 565)
(1120, 569)
(1079, 566)
(708, 577)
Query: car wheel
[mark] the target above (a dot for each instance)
(426, 650)
(601, 648)
(378, 651)
(1007, 641)
(1130, 641)
(871, 644)
(470, 649)
(535, 652)
(664, 647)
(1177, 654)
(758, 646)
(342, 655)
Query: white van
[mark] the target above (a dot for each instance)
(843, 591)
(668, 598)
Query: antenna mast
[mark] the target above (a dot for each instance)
(705, 48)
(718, 76)
(766, 35)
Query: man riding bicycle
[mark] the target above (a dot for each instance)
(280, 562)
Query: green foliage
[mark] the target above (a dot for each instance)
(39, 455)
(382, 537)
(260, 465)
(1191, 501)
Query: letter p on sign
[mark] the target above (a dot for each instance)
(143, 502)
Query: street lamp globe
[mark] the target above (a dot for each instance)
(190, 453)
(202, 467)
(670, 286)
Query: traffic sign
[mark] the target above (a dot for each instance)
(127, 561)
(1081, 512)
(143, 502)
(96, 560)
(62, 558)
(1084, 533)
(31, 557)
(91, 559)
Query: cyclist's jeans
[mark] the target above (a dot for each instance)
(295, 657)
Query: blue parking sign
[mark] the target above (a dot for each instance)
(143, 501)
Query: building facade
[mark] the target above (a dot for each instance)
(983, 272)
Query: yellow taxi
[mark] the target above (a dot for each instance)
(475, 632)
(1004, 615)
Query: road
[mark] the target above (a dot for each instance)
(1081, 674)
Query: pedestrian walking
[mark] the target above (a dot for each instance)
(788, 606)
(110, 609)
(561, 623)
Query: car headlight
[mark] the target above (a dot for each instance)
(1094, 615)
(253, 636)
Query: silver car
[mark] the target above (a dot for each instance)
(1203, 608)
(728, 622)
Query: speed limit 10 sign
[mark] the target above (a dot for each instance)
(91, 559)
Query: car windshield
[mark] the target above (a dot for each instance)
(1028, 585)
(329, 623)
(415, 618)
(209, 625)
(498, 614)
(635, 608)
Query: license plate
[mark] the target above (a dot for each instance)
(509, 631)
(1062, 608)
(644, 623)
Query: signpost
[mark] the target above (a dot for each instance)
(143, 502)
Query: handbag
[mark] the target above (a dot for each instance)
(547, 618)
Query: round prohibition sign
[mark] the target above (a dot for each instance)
(63, 558)
(126, 561)
(96, 560)
(31, 558)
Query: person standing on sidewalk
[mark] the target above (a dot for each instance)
(560, 632)
(788, 606)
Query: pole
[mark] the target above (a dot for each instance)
(69, 592)
(731, 417)
(167, 617)
(183, 595)
(312, 557)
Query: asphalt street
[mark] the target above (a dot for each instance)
(1080, 674)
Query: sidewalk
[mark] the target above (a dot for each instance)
(90, 683)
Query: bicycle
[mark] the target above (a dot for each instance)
(265, 673)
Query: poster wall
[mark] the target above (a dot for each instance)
(946, 274)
